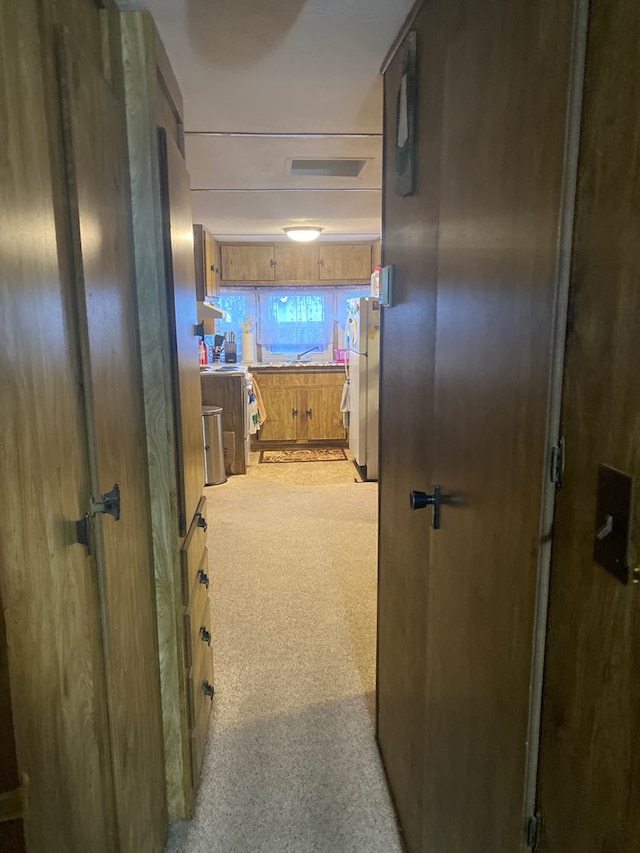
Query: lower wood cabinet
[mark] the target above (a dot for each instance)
(198, 655)
(302, 406)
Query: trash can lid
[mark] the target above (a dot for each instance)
(211, 410)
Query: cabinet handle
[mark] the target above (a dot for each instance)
(309, 413)
(272, 263)
(205, 635)
(294, 413)
(202, 522)
(203, 577)
(321, 261)
(207, 689)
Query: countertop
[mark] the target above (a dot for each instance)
(297, 367)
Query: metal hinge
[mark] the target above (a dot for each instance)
(534, 830)
(109, 503)
(557, 462)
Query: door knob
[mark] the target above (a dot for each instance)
(420, 500)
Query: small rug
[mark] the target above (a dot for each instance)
(306, 454)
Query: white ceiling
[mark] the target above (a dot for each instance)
(276, 80)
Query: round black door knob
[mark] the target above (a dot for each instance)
(420, 500)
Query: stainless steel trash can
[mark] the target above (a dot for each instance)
(214, 472)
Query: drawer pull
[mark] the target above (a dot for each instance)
(207, 689)
(202, 522)
(205, 635)
(203, 577)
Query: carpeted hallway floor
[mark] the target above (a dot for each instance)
(291, 763)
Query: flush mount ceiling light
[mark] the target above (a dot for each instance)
(303, 233)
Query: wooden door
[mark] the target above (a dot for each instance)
(94, 141)
(495, 310)
(297, 264)
(322, 413)
(48, 583)
(179, 266)
(344, 262)
(503, 76)
(247, 263)
(214, 267)
(406, 446)
(283, 414)
(589, 781)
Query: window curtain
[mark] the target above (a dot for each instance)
(297, 318)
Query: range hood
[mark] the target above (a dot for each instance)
(209, 311)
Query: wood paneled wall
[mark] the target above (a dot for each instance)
(590, 751)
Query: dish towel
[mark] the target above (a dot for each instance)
(345, 404)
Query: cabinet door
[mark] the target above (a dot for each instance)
(296, 264)
(200, 261)
(213, 263)
(283, 414)
(322, 413)
(349, 262)
(247, 263)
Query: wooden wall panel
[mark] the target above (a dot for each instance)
(590, 754)
(97, 180)
(49, 584)
(410, 234)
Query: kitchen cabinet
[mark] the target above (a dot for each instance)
(292, 263)
(197, 636)
(344, 262)
(207, 264)
(296, 264)
(302, 406)
(250, 262)
(229, 391)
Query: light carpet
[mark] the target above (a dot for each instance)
(291, 764)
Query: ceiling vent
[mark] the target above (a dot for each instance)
(342, 168)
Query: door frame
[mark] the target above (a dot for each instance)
(553, 438)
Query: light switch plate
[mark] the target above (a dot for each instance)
(613, 522)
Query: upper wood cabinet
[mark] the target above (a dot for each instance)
(297, 264)
(261, 263)
(247, 262)
(207, 264)
(344, 262)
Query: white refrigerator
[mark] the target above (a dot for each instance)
(363, 360)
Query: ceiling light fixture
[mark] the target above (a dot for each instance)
(303, 233)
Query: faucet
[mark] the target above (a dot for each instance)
(300, 354)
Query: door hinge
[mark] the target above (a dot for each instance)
(108, 503)
(534, 830)
(557, 462)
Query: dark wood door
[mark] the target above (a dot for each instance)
(502, 162)
(97, 184)
(464, 605)
(589, 780)
(181, 303)
(407, 346)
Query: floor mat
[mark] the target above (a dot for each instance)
(306, 454)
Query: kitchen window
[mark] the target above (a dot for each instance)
(287, 321)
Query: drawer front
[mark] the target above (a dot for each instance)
(197, 623)
(200, 680)
(299, 378)
(192, 552)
